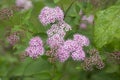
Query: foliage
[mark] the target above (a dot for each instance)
(104, 35)
(107, 27)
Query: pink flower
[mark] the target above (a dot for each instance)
(50, 15)
(81, 12)
(62, 55)
(70, 45)
(60, 28)
(56, 34)
(13, 39)
(63, 25)
(55, 41)
(84, 18)
(90, 19)
(20, 3)
(70, 48)
(25, 4)
(78, 55)
(35, 47)
(59, 14)
(83, 26)
(34, 51)
(28, 5)
(82, 40)
(36, 41)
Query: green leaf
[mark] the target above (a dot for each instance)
(56, 1)
(107, 26)
(31, 67)
(72, 11)
(16, 28)
(112, 69)
(65, 4)
(49, 3)
(27, 17)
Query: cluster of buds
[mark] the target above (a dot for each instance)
(93, 61)
(22, 56)
(85, 20)
(13, 38)
(15, 8)
(52, 55)
(6, 13)
(114, 57)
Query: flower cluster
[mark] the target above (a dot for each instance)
(114, 57)
(35, 47)
(73, 48)
(55, 41)
(50, 15)
(13, 39)
(59, 28)
(88, 19)
(51, 54)
(57, 31)
(64, 48)
(24, 4)
(56, 34)
(93, 60)
(5, 13)
(85, 20)
(82, 40)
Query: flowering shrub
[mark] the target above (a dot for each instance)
(59, 40)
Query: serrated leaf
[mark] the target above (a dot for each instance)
(107, 26)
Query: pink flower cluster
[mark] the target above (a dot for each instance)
(59, 28)
(13, 39)
(55, 41)
(35, 47)
(25, 4)
(85, 20)
(63, 49)
(82, 40)
(88, 19)
(73, 48)
(50, 15)
(56, 34)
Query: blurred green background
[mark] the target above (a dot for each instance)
(14, 66)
